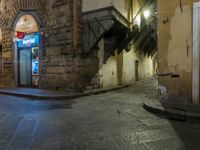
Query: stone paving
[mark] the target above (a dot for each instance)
(110, 121)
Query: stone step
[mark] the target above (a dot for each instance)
(2, 85)
(95, 81)
(92, 87)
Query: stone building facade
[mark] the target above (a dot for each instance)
(53, 56)
(59, 24)
(178, 51)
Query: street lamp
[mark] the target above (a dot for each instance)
(146, 14)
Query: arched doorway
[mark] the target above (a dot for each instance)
(26, 49)
(136, 70)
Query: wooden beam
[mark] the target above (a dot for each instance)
(77, 26)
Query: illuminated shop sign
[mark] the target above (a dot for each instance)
(29, 40)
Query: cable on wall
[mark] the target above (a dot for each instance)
(181, 6)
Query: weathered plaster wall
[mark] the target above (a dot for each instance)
(120, 69)
(175, 50)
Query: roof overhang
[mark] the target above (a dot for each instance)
(106, 13)
(101, 22)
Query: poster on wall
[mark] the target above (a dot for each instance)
(35, 80)
(35, 67)
(35, 61)
(35, 53)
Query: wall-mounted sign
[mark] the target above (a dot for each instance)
(35, 61)
(30, 40)
(35, 67)
(20, 35)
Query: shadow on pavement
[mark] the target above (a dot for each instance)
(182, 127)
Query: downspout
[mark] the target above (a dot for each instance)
(75, 26)
(131, 14)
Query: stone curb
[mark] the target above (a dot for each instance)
(61, 97)
(172, 113)
(41, 97)
(105, 90)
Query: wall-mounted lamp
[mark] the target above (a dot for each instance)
(165, 20)
(146, 14)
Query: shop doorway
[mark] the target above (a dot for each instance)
(26, 41)
(136, 70)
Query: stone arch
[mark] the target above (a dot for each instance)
(2, 20)
(31, 13)
(26, 23)
(25, 6)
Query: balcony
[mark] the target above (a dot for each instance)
(106, 23)
(92, 5)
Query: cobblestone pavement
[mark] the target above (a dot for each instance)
(110, 121)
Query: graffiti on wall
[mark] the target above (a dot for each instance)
(163, 94)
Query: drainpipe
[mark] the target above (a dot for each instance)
(75, 26)
(131, 14)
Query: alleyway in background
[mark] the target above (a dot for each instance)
(110, 121)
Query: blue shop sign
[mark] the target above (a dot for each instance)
(29, 40)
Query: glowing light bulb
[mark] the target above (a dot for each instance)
(146, 14)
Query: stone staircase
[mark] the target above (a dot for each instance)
(94, 83)
(3, 85)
